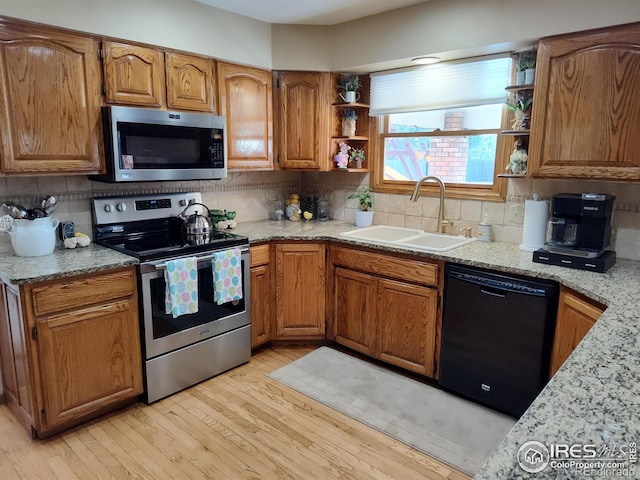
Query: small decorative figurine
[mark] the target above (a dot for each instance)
(518, 159)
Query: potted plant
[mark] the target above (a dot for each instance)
(521, 112)
(364, 213)
(526, 69)
(350, 84)
(349, 118)
(356, 157)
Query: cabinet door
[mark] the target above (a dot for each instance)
(300, 290)
(576, 316)
(89, 359)
(245, 101)
(587, 107)
(134, 75)
(13, 354)
(303, 117)
(354, 310)
(190, 83)
(261, 302)
(49, 102)
(406, 315)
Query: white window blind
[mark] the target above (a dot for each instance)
(465, 83)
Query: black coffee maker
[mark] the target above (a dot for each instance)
(579, 232)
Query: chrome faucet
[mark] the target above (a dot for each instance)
(416, 193)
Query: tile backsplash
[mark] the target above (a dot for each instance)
(250, 194)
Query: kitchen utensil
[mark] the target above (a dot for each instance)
(33, 238)
(15, 210)
(48, 202)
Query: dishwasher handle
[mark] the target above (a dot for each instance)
(503, 284)
(493, 294)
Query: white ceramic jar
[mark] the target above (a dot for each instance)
(33, 238)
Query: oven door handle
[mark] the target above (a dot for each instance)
(208, 256)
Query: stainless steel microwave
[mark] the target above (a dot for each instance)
(146, 145)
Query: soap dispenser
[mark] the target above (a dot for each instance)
(484, 229)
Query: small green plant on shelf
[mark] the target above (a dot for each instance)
(521, 108)
(365, 199)
(349, 83)
(356, 158)
(349, 114)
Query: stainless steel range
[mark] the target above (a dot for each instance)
(177, 352)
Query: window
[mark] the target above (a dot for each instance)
(445, 122)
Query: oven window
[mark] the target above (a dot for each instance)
(145, 146)
(208, 311)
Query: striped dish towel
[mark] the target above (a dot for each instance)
(227, 275)
(181, 279)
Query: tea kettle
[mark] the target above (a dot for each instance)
(196, 228)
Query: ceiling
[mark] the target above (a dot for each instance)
(309, 12)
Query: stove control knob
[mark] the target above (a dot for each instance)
(121, 207)
(183, 203)
(108, 208)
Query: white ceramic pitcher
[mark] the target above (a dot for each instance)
(33, 238)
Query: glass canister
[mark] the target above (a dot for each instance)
(324, 212)
(277, 209)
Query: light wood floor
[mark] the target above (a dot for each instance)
(238, 425)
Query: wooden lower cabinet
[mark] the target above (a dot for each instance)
(354, 310)
(300, 290)
(71, 348)
(261, 295)
(392, 319)
(576, 315)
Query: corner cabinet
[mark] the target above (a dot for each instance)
(245, 99)
(386, 307)
(49, 102)
(70, 348)
(147, 77)
(587, 109)
(302, 109)
(576, 315)
(300, 290)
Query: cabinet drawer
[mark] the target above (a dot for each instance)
(70, 294)
(416, 271)
(259, 255)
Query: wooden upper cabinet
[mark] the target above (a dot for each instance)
(147, 77)
(133, 75)
(587, 108)
(190, 82)
(245, 99)
(49, 101)
(303, 110)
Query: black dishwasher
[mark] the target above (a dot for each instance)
(497, 332)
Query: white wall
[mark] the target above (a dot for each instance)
(448, 28)
(181, 24)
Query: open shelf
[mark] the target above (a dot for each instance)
(352, 170)
(518, 88)
(516, 132)
(356, 137)
(351, 105)
(511, 175)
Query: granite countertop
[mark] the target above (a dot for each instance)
(595, 396)
(593, 399)
(62, 262)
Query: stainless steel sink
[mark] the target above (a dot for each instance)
(409, 238)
